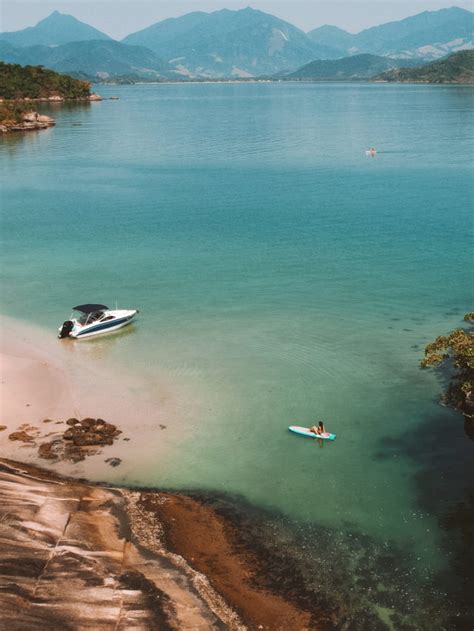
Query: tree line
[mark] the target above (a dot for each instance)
(36, 82)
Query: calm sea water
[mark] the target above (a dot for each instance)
(282, 276)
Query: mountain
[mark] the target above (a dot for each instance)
(227, 43)
(14, 55)
(426, 34)
(431, 34)
(243, 43)
(56, 29)
(94, 59)
(457, 68)
(159, 36)
(356, 67)
(333, 37)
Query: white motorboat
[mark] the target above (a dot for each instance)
(91, 319)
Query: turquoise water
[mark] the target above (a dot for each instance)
(282, 276)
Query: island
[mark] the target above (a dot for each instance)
(22, 85)
(456, 68)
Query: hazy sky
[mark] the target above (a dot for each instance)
(117, 18)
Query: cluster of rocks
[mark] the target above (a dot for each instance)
(90, 431)
(80, 440)
(31, 120)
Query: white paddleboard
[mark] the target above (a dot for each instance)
(304, 431)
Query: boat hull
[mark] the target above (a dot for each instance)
(109, 322)
(101, 329)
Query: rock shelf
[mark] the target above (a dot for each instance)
(31, 120)
(81, 556)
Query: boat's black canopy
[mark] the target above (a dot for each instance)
(89, 308)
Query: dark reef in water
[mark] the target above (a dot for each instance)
(345, 573)
(444, 485)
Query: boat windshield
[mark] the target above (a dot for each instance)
(87, 318)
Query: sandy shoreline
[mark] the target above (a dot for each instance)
(224, 583)
(46, 378)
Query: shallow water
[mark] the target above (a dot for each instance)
(282, 276)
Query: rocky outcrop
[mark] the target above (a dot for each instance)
(81, 556)
(29, 120)
(71, 561)
(34, 117)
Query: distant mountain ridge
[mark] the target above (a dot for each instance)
(234, 44)
(57, 28)
(244, 43)
(95, 59)
(430, 34)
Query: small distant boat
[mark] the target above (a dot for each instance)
(93, 319)
(371, 152)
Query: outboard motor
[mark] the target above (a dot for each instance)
(66, 329)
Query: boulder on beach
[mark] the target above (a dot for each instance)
(30, 117)
(21, 436)
(34, 117)
(42, 118)
(51, 450)
(113, 462)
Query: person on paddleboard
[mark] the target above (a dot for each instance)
(318, 429)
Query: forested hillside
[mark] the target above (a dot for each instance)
(35, 82)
